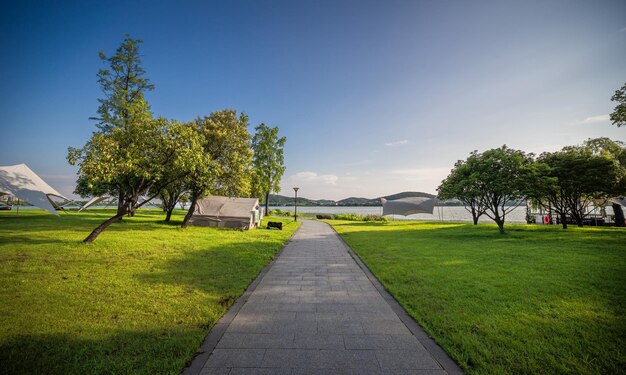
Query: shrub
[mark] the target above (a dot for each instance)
(324, 217)
(351, 217)
(279, 212)
(373, 217)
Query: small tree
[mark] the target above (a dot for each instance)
(461, 184)
(503, 177)
(268, 162)
(618, 117)
(226, 144)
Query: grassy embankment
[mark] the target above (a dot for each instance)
(139, 300)
(535, 300)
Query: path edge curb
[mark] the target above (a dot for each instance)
(217, 331)
(440, 355)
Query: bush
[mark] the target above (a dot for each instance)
(351, 217)
(279, 212)
(324, 217)
(372, 217)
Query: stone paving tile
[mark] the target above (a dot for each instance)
(236, 358)
(406, 359)
(256, 340)
(361, 359)
(291, 358)
(316, 312)
(305, 341)
(369, 342)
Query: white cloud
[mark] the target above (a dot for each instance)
(593, 120)
(397, 143)
(307, 177)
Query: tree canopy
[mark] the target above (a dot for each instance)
(573, 179)
(268, 162)
(493, 182)
(618, 116)
(462, 184)
(226, 143)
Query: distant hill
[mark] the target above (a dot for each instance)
(281, 200)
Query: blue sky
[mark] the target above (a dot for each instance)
(375, 97)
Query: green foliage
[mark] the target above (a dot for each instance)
(573, 178)
(279, 212)
(536, 301)
(349, 217)
(372, 217)
(618, 116)
(123, 84)
(493, 182)
(138, 301)
(268, 162)
(228, 153)
(462, 184)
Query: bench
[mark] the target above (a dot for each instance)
(275, 224)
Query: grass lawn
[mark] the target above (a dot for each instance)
(139, 300)
(535, 300)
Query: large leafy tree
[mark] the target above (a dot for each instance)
(503, 177)
(268, 162)
(226, 143)
(461, 184)
(573, 179)
(135, 160)
(618, 117)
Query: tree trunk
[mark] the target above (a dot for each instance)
(474, 216)
(564, 220)
(120, 204)
(168, 215)
(192, 208)
(267, 203)
(619, 215)
(96, 232)
(500, 226)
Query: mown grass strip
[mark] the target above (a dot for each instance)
(535, 300)
(139, 300)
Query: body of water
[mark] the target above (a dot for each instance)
(447, 213)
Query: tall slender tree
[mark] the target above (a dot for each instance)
(123, 84)
(268, 162)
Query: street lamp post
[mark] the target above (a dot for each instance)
(296, 204)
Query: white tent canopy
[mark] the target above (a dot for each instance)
(409, 206)
(620, 201)
(22, 182)
(225, 212)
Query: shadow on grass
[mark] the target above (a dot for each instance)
(117, 352)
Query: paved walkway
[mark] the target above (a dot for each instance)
(316, 312)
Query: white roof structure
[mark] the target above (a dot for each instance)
(225, 212)
(22, 182)
(95, 200)
(409, 206)
(620, 201)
